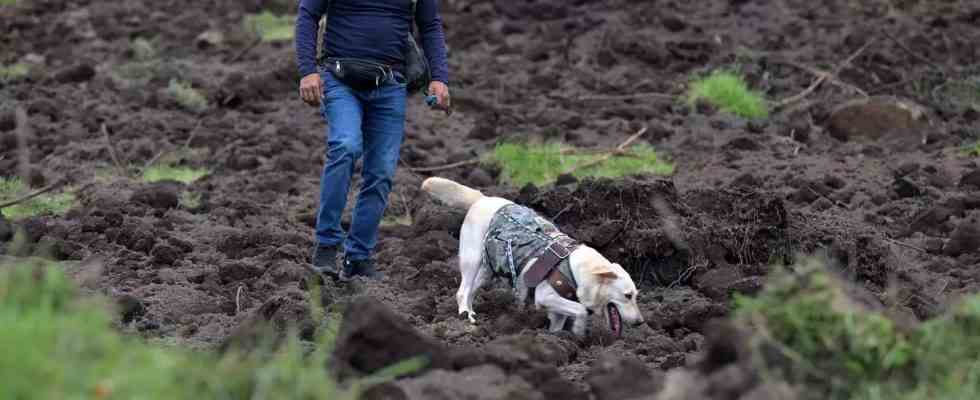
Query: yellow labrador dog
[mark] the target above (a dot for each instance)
(567, 279)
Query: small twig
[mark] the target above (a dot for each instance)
(618, 150)
(831, 77)
(816, 83)
(912, 53)
(631, 96)
(246, 50)
(238, 299)
(112, 151)
(445, 167)
(23, 150)
(906, 245)
(36, 193)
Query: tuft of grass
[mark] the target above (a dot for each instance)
(270, 27)
(13, 72)
(190, 200)
(158, 173)
(187, 97)
(404, 220)
(971, 150)
(539, 164)
(59, 345)
(841, 350)
(730, 93)
(143, 49)
(8, 2)
(45, 204)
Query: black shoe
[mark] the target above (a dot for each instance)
(325, 261)
(363, 268)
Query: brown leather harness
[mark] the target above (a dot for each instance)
(546, 267)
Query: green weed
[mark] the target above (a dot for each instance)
(143, 49)
(270, 27)
(158, 173)
(971, 150)
(849, 352)
(401, 220)
(13, 72)
(190, 200)
(187, 97)
(8, 2)
(58, 345)
(45, 204)
(730, 93)
(539, 164)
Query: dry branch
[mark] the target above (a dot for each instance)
(618, 150)
(53, 186)
(112, 151)
(823, 77)
(23, 151)
(445, 167)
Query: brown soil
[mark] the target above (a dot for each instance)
(896, 211)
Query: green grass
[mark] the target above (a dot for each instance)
(843, 351)
(730, 93)
(52, 203)
(540, 164)
(143, 49)
(971, 150)
(187, 97)
(158, 173)
(59, 345)
(13, 72)
(8, 2)
(270, 27)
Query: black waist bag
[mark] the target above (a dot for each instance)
(358, 74)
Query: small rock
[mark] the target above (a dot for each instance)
(972, 178)
(566, 179)
(6, 229)
(372, 337)
(905, 188)
(906, 169)
(622, 377)
(75, 74)
(161, 195)
(130, 307)
(822, 204)
(208, 39)
(874, 118)
(479, 177)
(673, 23)
(965, 238)
(483, 131)
(744, 144)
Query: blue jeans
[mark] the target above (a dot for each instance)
(360, 123)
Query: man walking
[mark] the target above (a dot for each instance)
(366, 117)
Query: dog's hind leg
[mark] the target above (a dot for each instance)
(472, 274)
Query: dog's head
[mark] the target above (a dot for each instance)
(608, 288)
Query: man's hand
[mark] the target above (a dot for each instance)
(441, 91)
(311, 89)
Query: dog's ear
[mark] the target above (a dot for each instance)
(602, 271)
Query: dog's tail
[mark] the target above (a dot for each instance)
(451, 193)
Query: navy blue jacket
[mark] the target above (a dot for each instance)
(370, 29)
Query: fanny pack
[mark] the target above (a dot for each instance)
(359, 74)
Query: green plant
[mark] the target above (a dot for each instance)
(158, 173)
(844, 351)
(143, 49)
(971, 150)
(187, 97)
(190, 200)
(8, 2)
(59, 345)
(730, 93)
(539, 164)
(14, 72)
(45, 204)
(270, 27)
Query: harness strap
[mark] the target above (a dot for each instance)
(545, 267)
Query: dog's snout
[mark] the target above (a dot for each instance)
(638, 322)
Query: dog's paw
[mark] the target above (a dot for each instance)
(468, 315)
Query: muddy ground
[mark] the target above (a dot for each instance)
(896, 209)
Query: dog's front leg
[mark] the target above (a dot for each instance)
(546, 297)
(557, 321)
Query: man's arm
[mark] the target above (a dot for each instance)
(433, 39)
(307, 25)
